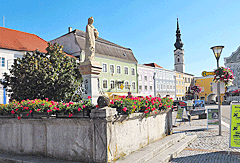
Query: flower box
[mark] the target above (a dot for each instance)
(7, 115)
(37, 115)
(84, 113)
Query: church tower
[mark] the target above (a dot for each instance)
(179, 52)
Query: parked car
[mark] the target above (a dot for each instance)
(225, 102)
(212, 102)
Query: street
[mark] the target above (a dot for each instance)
(209, 146)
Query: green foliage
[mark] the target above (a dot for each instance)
(146, 105)
(38, 76)
(45, 106)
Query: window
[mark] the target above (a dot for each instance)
(2, 62)
(177, 90)
(104, 65)
(126, 85)
(140, 87)
(104, 83)
(157, 86)
(211, 89)
(182, 82)
(112, 85)
(119, 69)
(151, 78)
(145, 88)
(111, 69)
(160, 74)
(150, 88)
(133, 71)
(133, 85)
(188, 80)
(179, 76)
(140, 77)
(179, 82)
(145, 78)
(202, 89)
(126, 70)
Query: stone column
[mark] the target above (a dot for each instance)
(90, 71)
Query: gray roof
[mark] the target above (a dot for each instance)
(106, 47)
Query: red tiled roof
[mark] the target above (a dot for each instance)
(152, 65)
(22, 41)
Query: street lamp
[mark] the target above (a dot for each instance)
(217, 50)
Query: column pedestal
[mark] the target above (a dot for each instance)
(90, 71)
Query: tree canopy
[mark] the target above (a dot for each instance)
(53, 75)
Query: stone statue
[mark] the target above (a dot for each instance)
(91, 35)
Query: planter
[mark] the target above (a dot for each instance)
(8, 115)
(26, 115)
(85, 113)
(37, 115)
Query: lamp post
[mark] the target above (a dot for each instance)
(217, 50)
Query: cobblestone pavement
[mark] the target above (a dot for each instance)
(208, 147)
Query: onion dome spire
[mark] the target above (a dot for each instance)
(178, 44)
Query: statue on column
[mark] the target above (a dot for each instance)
(91, 35)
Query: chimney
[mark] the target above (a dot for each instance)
(69, 29)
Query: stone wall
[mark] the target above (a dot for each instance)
(102, 138)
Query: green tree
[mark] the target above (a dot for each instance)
(53, 75)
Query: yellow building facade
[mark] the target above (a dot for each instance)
(183, 82)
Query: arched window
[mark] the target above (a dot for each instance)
(178, 59)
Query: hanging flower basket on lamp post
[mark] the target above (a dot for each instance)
(224, 75)
(196, 90)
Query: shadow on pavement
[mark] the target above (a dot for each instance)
(208, 157)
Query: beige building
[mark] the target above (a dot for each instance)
(183, 83)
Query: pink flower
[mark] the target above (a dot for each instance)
(97, 106)
(70, 115)
(70, 102)
(27, 114)
(134, 107)
(89, 97)
(42, 104)
(84, 106)
(146, 111)
(79, 109)
(46, 99)
(121, 102)
(55, 108)
(38, 110)
(19, 118)
(125, 109)
(146, 101)
(28, 103)
(49, 110)
(13, 112)
(30, 111)
(50, 106)
(112, 102)
(16, 109)
(33, 102)
(27, 99)
(134, 102)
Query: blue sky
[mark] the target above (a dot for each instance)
(147, 27)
